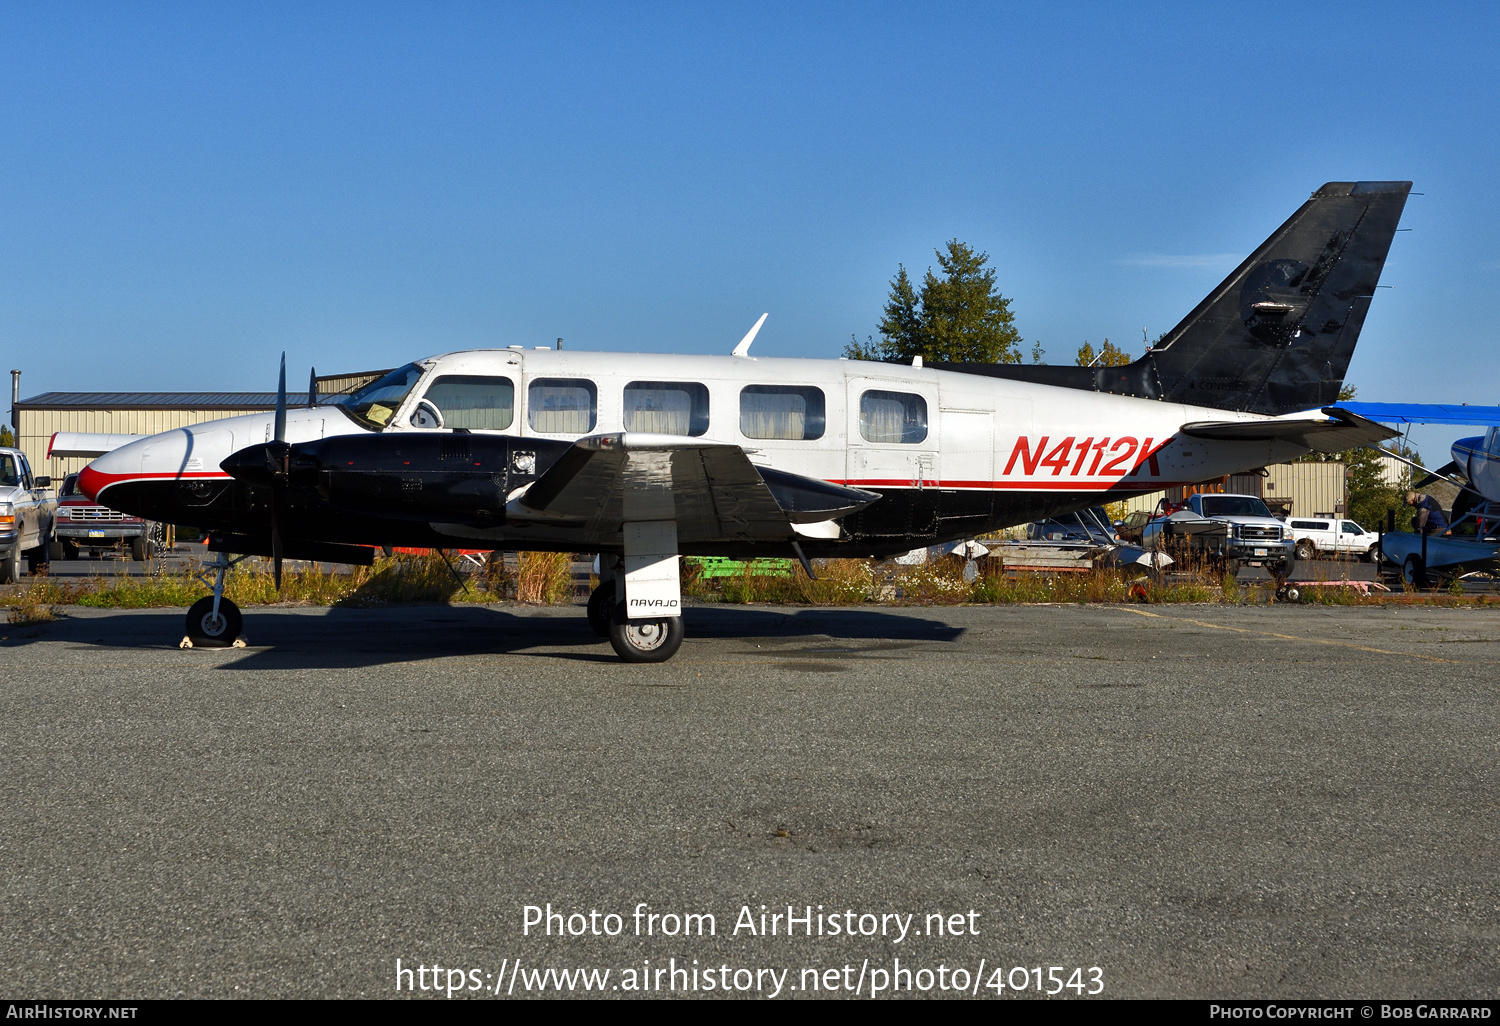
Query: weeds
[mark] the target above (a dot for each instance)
(545, 578)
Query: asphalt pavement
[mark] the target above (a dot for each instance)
(1196, 801)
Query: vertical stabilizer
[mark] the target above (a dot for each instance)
(1276, 336)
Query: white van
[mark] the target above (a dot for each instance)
(1330, 538)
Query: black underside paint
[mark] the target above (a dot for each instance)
(903, 518)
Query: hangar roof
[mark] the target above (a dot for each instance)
(162, 400)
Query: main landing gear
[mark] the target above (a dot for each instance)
(638, 640)
(214, 621)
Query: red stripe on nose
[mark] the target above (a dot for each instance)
(91, 482)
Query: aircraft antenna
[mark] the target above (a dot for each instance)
(743, 349)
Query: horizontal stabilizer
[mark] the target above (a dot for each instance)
(1343, 431)
(87, 444)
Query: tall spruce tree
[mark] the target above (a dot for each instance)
(960, 317)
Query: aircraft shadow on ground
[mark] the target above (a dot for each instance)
(287, 639)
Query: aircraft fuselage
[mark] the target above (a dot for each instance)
(952, 455)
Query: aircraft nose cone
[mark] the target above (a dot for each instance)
(91, 482)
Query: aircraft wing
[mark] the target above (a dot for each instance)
(1344, 431)
(1426, 413)
(710, 489)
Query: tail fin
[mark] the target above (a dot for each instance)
(1276, 336)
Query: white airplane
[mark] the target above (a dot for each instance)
(648, 457)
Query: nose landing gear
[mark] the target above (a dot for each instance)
(214, 621)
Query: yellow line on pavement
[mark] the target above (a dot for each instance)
(1288, 637)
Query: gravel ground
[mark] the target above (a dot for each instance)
(1199, 800)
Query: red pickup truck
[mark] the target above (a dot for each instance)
(82, 524)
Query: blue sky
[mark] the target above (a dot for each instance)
(189, 189)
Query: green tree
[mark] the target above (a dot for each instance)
(1107, 356)
(7, 440)
(959, 317)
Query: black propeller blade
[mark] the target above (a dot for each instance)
(278, 453)
(1441, 474)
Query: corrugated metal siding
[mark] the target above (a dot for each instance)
(343, 384)
(1315, 489)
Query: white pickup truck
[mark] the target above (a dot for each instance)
(1316, 536)
(27, 509)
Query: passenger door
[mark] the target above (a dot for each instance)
(893, 448)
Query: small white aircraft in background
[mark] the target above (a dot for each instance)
(1472, 542)
(647, 457)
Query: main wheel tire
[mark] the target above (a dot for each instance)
(645, 641)
(70, 551)
(55, 550)
(10, 567)
(38, 559)
(1305, 550)
(1291, 593)
(209, 631)
(601, 602)
(138, 549)
(1414, 571)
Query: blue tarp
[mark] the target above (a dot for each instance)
(1425, 413)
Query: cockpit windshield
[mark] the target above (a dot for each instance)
(1234, 506)
(376, 402)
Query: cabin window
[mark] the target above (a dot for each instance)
(666, 407)
(1309, 525)
(562, 406)
(892, 417)
(10, 474)
(781, 411)
(473, 401)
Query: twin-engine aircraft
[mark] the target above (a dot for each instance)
(644, 458)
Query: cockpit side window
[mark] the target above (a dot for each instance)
(10, 474)
(378, 401)
(473, 401)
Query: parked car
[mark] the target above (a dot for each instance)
(84, 524)
(1089, 525)
(1330, 537)
(26, 511)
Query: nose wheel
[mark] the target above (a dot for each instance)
(214, 621)
(208, 627)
